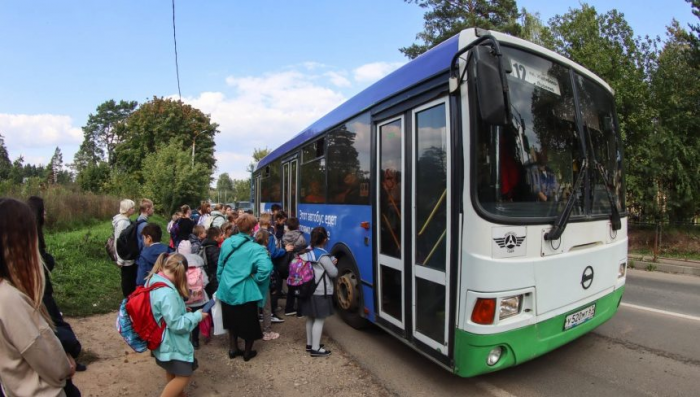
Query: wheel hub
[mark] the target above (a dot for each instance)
(347, 292)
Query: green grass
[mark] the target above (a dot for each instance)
(85, 280)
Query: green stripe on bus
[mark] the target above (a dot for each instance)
(524, 344)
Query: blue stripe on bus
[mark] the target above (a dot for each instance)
(431, 63)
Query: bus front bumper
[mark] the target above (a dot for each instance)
(524, 344)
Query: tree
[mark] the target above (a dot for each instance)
(94, 178)
(103, 132)
(55, 166)
(532, 29)
(676, 149)
(5, 163)
(224, 186)
(258, 154)
(170, 180)
(161, 122)
(17, 171)
(694, 39)
(446, 18)
(241, 189)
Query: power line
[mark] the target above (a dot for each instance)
(177, 67)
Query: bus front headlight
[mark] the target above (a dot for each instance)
(510, 306)
(621, 270)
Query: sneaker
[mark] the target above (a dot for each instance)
(293, 313)
(320, 353)
(308, 348)
(276, 319)
(270, 335)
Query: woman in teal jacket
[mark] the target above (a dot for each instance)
(175, 353)
(244, 277)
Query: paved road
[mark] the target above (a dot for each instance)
(640, 352)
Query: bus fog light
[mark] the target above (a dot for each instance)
(494, 356)
(621, 270)
(510, 306)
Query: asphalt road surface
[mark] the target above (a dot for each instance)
(650, 348)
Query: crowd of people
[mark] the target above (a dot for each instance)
(213, 253)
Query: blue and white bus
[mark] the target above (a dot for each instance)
(474, 199)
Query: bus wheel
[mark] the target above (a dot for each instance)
(348, 294)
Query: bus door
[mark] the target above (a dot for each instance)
(430, 224)
(258, 204)
(289, 187)
(390, 218)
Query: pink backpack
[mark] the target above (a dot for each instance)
(300, 271)
(195, 283)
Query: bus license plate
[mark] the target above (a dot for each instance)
(580, 317)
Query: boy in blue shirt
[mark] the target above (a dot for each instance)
(152, 248)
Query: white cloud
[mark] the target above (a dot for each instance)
(24, 131)
(264, 112)
(338, 79)
(372, 72)
(35, 137)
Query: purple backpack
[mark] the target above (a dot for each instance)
(300, 271)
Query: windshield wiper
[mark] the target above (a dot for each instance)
(614, 212)
(563, 218)
(615, 220)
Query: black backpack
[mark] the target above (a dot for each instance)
(128, 242)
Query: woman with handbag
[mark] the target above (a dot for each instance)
(244, 277)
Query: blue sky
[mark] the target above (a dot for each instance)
(262, 70)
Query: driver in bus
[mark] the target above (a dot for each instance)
(545, 180)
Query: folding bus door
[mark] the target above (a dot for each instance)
(390, 218)
(431, 224)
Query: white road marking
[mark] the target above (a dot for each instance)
(649, 309)
(493, 390)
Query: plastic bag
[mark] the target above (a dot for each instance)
(217, 316)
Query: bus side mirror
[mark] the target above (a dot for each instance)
(491, 86)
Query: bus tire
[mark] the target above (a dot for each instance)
(348, 293)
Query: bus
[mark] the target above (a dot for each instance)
(474, 199)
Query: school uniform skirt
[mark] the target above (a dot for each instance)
(317, 306)
(242, 320)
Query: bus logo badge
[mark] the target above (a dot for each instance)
(510, 242)
(587, 277)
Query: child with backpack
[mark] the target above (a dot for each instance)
(175, 353)
(295, 237)
(199, 233)
(197, 281)
(210, 253)
(319, 304)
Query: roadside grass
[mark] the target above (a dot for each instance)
(85, 280)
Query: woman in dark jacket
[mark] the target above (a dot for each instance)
(184, 224)
(64, 332)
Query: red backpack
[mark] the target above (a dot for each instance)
(136, 322)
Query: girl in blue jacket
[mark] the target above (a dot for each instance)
(175, 354)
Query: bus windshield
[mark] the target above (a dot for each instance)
(528, 169)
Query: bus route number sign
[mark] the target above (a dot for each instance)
(580, 317)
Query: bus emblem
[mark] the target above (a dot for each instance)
(510, 241)
(587, 277)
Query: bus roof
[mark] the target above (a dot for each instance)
(427, 65)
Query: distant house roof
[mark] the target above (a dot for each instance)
(425, 66)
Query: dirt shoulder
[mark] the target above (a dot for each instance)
(282, 367)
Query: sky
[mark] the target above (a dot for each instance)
(263, 71)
